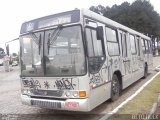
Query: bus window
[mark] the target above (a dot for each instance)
(133, 44)
(111, 35)
(138, 45)
(149, 46)
(90, 43)
(113, 47)
(143, 46)
(124, 44)
(94, 45)
(95, 51)
(146, 45)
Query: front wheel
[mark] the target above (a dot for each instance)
(115, 88)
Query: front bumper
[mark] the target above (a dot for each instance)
(68, 104)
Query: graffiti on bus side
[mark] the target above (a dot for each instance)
(96, 79)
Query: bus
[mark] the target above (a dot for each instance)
(78, 59)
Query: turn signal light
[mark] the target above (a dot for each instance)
(82, 93)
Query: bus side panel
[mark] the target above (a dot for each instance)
(137, 61)
(99, 95)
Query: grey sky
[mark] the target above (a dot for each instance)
(15, 12)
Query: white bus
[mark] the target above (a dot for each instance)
(78, 59)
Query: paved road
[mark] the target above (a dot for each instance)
(10, 102)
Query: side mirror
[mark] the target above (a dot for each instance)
(99, 31)
(7, 49)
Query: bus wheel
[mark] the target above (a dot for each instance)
(145, 71)
(115, 88)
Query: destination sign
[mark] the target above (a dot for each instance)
(52, 20)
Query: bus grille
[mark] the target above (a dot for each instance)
(44, 93)
(47, 104)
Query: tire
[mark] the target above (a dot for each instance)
(115, 88)
(145, 71)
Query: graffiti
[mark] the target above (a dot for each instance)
(96, 79)
(127, 67)
(46, 85)
(65, 83)
(105, 68)
(35, 84)
(115, 63)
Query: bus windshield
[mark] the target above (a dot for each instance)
(55, 52)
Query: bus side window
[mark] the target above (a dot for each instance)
(138, 45)
(112, 42)
(146, 45)
(149, 46)
(96, 56)
(143, 46)
(89, 43)
(124, 44)
(133, 44)
(94, 45)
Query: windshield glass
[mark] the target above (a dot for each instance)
(64, 53)
(31, 64)
(56, 52)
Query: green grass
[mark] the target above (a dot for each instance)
(142, 103)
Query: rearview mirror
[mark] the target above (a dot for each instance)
(99, 31)
(7, 49)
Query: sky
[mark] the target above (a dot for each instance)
(14, 12)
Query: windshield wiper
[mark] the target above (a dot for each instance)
(36, 40)
(39, 43)
(52, 37)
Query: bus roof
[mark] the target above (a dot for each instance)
(111, 23)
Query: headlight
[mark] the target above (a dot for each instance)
(26, 91)
(75, 93)
(29, 92)
(68, 93)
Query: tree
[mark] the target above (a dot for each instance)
(94, 9)
(139, 15)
